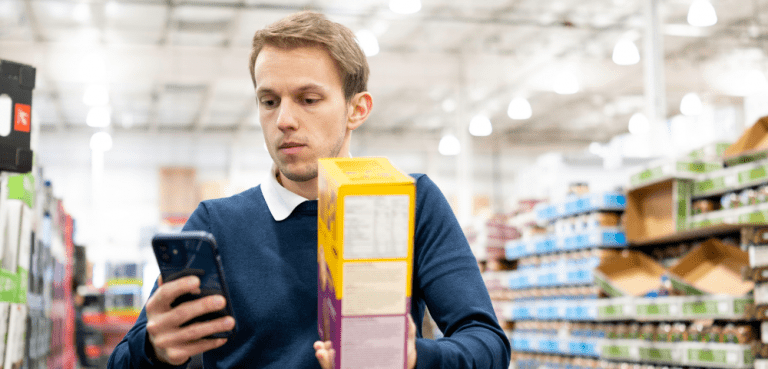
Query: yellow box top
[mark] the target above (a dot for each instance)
(361, 171)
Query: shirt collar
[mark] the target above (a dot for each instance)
(280, 201)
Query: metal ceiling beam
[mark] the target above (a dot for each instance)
(203, 117)
(154, 107)
(243, 123)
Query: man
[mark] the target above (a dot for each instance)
(310, 78)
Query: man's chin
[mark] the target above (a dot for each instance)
(299, 176)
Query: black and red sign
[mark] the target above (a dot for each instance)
(17, 82)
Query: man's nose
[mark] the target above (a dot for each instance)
(286, 118)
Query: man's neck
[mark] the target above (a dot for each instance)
(307, 189)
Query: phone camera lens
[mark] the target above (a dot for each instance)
(166, 257)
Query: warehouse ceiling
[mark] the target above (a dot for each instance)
(173, 65)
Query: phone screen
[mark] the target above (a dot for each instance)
(193, 253)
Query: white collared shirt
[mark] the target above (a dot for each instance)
(280, 201)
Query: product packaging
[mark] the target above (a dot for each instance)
(16, 84)
(366, 212)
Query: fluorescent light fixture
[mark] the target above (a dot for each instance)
(93, 67)
(639, 124)
(449, 105)
(625, 52)
(99, 117)
(702, 14)
(368, 42)
(112, 9)
(566, 84)
(519, 108)
(596, 148)
(101, 141)
(127, 120)
(690, 105)
(96, 95)
(82, 12)
(405, 6)
(480, 126)
(449, 145)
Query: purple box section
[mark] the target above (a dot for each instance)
(329, 317)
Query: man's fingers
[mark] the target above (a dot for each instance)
(164, 295)
(197, 331)
(179, 355)
(192, 309)
(411, 327)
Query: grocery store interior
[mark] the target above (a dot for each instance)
(607, 161)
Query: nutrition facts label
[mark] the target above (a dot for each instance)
(376, 226)
(373, 342)
(374, 288)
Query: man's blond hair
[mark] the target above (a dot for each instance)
(309, 28)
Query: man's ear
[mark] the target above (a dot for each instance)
(359, 108)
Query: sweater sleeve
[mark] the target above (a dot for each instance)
(134, 350)
(449, 282)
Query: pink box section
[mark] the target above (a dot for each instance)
(372, 335)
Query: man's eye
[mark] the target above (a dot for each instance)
(269, 102)
(310, 101)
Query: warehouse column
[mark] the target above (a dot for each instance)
(653, 66)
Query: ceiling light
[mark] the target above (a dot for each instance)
(625, 53)
(596, 148)
(93, 67)
(82, 12)
(519, 108)
(112, 9)
(702, 14)
(101, 141)
(99, 116)
(690, 105)
(127, 120)
(96, 95)
(480, 125)
(639, 124)
(405, 6)
(566, 84)
(368, 42)
(449, 105)
(449, 145)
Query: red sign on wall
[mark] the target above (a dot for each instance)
(23, 115)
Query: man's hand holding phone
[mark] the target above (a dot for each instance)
(173, 343)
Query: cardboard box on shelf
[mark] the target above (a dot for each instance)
(628, 273)
(713, 267)
(657, 210)
(713, 151)
(661, 170)
(178, 194)
(751, 146)
(366, 212)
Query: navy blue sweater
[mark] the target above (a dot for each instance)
(271, 270)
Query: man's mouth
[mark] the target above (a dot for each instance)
(290, 147)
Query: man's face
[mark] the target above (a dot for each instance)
(302, 109)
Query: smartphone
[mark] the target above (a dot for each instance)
(194, 253)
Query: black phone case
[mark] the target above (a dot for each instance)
(194, 253)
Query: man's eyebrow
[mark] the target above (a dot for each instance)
(264, 90)
(311, 87)
(304, 88)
